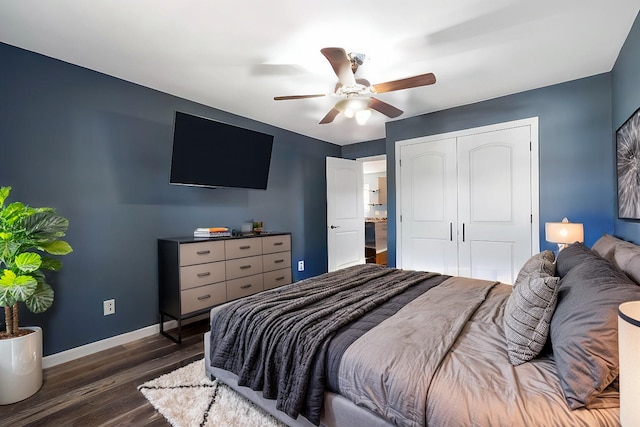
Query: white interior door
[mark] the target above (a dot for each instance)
(428, 205)
(494, 203)
(345, 213)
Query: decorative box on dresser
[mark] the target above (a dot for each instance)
(195, 274)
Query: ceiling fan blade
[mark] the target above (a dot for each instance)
(386, 109)
(341, 64)
(282, 98)
(330, 116)
(409, 82)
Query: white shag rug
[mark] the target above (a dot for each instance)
(187, 398)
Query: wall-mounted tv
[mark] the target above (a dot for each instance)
(208, 153)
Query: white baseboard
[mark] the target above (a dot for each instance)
(94, 347)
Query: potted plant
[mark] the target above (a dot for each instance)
(27, 237)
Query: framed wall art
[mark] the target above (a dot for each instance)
(628, 167)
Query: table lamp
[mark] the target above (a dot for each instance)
(564, 233)
(629, 351)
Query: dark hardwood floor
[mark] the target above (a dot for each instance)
(101, 389)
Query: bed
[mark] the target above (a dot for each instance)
(376, 346)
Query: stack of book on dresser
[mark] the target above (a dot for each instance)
(212, 232)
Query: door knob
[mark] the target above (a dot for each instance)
(334, 226)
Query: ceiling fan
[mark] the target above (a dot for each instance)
(356, 92)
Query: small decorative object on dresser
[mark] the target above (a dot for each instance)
(196, 274)
(211, 232)
(257, 227)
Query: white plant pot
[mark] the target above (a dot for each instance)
(20, 366)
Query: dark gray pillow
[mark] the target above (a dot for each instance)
(584, 328)
(627, 258)
(622, 254)
(605, 246)
(527, 315)
(571, 256)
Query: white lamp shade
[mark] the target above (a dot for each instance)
(564, 232)
(629, 354)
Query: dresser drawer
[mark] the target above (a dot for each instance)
(243, 247)
(242, 267)
(203, 297)
(272, 244)
(201, 252)
(276, 261)
(193, 276)
(244, 286)
(273, 279)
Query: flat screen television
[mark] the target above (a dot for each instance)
(208, 153)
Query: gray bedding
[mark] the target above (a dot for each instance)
(439, 358)
(273, 340)
(353, 331)
(389, 370)
(456, 371)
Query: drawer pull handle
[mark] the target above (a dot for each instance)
(244, 267)
(207, 252)
(278, 244)
(204, 297)
(278, 261)
(280, 278)
(245, 286)
(245, 247)
(205, 274)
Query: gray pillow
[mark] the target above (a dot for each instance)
(626, 257)
(584, 327)
(571, 256)
(605, 246)
(527, 316)
(622, 254)
(542, 262)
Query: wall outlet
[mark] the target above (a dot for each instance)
(300, 265)
(109, 306)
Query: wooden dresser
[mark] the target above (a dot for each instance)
(195, 274)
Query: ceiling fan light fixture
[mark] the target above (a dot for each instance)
(362, 116)
(351, 106)
(356, 93)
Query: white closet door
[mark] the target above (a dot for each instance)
(428, 206)
(494, 203)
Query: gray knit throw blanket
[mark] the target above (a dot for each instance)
(271, 339)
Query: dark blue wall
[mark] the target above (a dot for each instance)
(364, 149)
(575, 149)
(98, 150)
(626, 100)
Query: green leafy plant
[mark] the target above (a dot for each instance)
(27, 237)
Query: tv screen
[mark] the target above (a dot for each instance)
(208, 153)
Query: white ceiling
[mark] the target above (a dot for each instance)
(237, 55)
